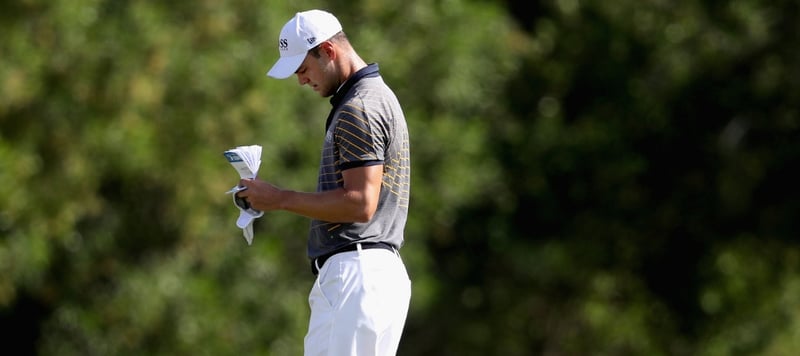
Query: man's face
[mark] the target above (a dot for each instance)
(318, 73)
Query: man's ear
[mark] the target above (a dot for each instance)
(328, 48)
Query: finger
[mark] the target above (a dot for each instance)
(245, 182)
(244, 193)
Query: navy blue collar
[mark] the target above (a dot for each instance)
(370, 71)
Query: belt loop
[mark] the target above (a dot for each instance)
(358, 246)
(316, 264)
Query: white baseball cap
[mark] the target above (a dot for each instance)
(303, 32)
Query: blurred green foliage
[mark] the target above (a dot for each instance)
(589, 177)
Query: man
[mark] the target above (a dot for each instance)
(360, 298)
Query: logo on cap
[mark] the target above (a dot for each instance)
(283, 44)
(311, 40)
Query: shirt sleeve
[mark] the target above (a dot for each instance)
(360, 136)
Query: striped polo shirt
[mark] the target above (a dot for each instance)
(366, 126)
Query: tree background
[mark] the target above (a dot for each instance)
(589, 177)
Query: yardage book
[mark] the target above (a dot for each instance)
(246, 160)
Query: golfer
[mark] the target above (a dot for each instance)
(360, 298)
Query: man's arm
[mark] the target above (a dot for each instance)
(356, 201)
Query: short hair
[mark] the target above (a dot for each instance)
(339, 37)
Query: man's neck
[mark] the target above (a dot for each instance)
(350, 64)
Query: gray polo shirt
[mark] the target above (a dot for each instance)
(366, 126)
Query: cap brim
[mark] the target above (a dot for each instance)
(286, 66)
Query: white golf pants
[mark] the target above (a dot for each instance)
(359, 303)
